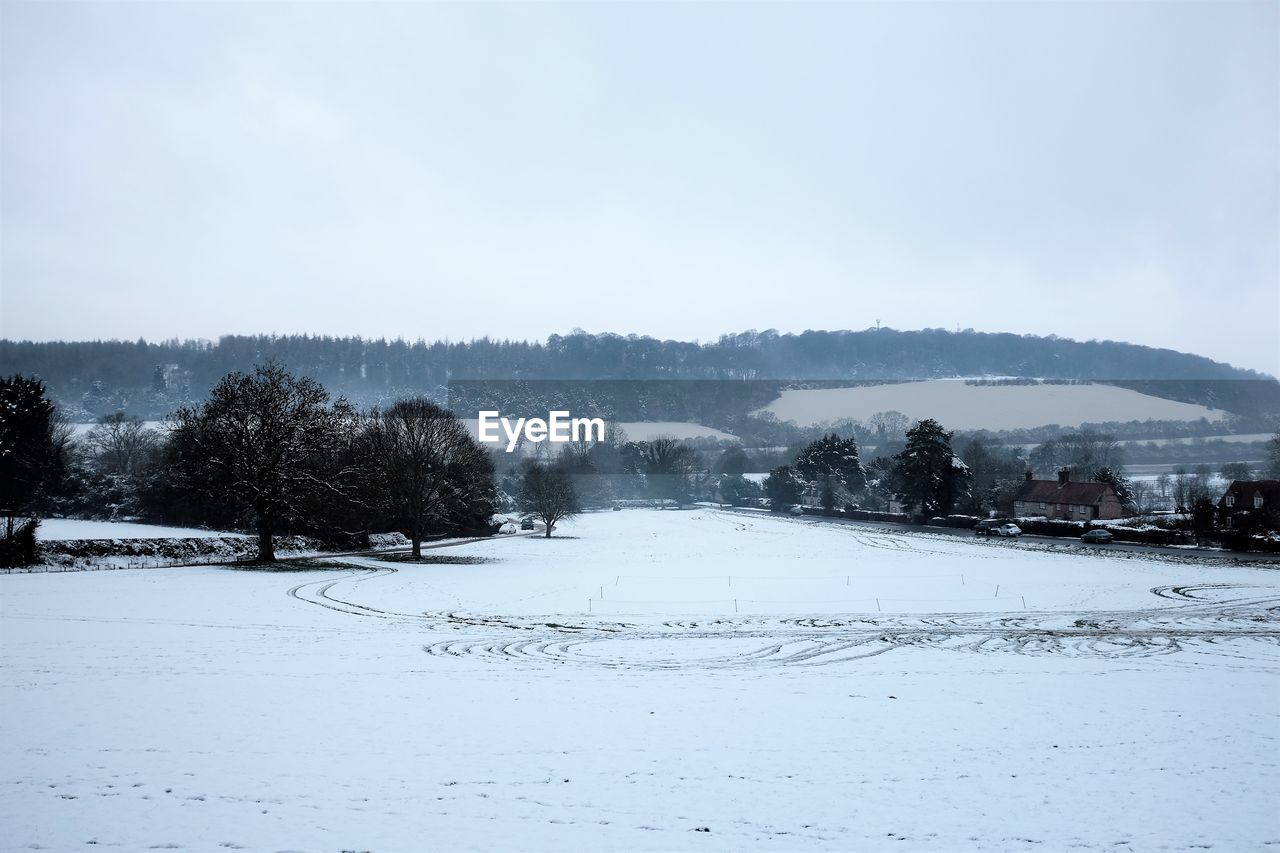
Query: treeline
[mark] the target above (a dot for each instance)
(151, 379)
(268, 451)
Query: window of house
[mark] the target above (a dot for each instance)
(1042, 504)
(1231, 500)
(1257, 501)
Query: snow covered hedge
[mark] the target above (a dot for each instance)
(857, 514)
(1146, 535)
(70, 554)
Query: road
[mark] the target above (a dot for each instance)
(1058, 543)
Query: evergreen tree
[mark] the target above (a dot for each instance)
(832, 461)
(737, 490)
(1117, 481)
(783, 488)
(32, 444)
(928, 476)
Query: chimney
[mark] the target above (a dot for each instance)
(1027, 476)
(1064, 475)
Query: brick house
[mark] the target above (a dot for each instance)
(1252, 499)
(1066, 500)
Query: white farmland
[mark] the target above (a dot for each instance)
(648, 681)
(957, 405)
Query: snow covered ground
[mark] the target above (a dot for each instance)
(59, 529)
(650, 680)
(960, 406)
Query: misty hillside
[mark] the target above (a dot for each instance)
(150, 379)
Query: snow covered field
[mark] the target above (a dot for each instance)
(60, 529)
(648, 681)
(960, 406)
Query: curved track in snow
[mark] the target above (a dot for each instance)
(1206, 618)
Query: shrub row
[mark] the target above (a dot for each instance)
(1063, 529)
(1244, 542)
(857, 514)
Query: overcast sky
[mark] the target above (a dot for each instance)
(1092, 170)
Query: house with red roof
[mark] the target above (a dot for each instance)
(1067, 500)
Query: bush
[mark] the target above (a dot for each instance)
(1236, 541)
(20, 549)
(868, 515)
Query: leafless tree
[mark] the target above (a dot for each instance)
(264, 441)
(425, 462)
(889, 426)
(119, 442)
(671, 466)
(1086, 451)
(548, 493)
(1142, 494)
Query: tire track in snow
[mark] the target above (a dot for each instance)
(1205, 627)
(1212, 618)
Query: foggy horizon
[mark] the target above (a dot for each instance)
(566, 333)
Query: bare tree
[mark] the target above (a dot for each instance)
(1142, 495)
(889, 426)
(119, 442)
(547, 492)
(426, 462)
(1163, 482)
(264, 441)
(670, 466)
(1232, 471)
(1086, 451)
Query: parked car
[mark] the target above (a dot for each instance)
(1097, 537)
(795, 510)
(989, 526)
(526, 524)
(1011, 530)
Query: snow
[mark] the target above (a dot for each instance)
(959, 406)
(649, 430)
(82, 430)
(58, 529)
(600, 690)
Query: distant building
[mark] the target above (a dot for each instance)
(1066, 500)
(1247, 501)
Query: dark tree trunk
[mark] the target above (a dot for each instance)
(266, 548)
(417, 546)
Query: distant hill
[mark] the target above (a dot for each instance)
(151, 379)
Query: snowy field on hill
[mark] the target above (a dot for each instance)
(60, 529)
(648, 680)
(957, 405)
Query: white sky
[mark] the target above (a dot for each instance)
(1093, 170)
